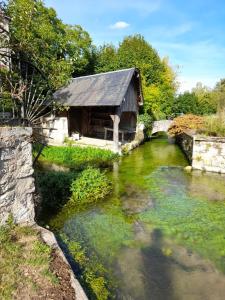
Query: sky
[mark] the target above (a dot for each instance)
(190, 33)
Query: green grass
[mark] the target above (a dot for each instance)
(21, 255)
(76, 157)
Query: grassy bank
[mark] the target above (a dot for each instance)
(72, 191)
(29, 269)
(84, 182)
(76, 157)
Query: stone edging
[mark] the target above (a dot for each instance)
(49, 238)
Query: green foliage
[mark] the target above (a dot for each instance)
(158, 79)
(91, 186)
(147, 120)
(54, 189)
(198, 102)
(186, 103)
(78, 158)
(219, 95)
(106, 59)
(37, 34)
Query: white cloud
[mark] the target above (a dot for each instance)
(120, 25)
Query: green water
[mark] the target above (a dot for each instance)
(161, 234)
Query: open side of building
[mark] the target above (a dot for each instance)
(103, 107)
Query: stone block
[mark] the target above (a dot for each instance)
(16, 181)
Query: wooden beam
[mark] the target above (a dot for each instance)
(116, 121)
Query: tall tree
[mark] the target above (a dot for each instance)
(39, 36)
(106, 59)
(219, 95)
(158, 79)
(201, 101)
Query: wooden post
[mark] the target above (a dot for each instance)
(116, 121)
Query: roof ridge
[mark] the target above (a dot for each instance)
(103, 73)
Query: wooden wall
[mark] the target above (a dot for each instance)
(130, 102)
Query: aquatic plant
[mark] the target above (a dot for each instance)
(92, 274)
(76, 157)
(90, 186)
(183, 213)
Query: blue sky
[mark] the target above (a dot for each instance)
(191, 33)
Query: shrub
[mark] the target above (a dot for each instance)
(186, 123)
(91, 186)
(54, 188)
(147, 120)
(77, 157)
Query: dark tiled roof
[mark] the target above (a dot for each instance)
(105, 89)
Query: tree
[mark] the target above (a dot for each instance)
(219, 95)
(206, 101)
(186, 103)
(39, 36)
(158, 79)
(200, 101)
(106, 59)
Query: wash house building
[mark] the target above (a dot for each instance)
(101, 107)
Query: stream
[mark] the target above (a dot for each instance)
(161, 233)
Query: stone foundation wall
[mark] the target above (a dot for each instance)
(204, 153)
(16, 181)
(138, 139)
(186, 143)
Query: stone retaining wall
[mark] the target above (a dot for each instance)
(186, 143)
(16, 181)
(204, 153)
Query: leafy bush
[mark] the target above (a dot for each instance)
(54, 188)
(147, 120)
(91, 186)
(78, 158)
(186, 123)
